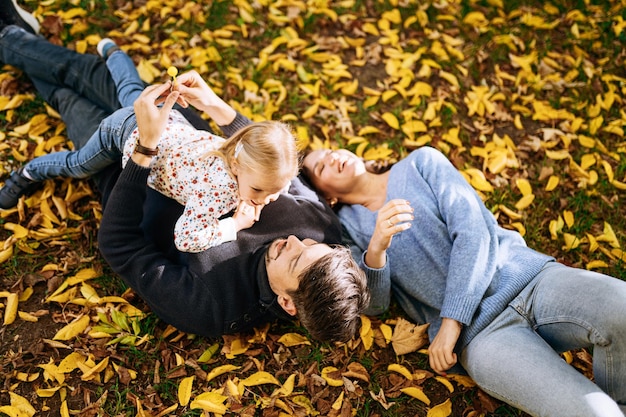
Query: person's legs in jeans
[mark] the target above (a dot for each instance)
(516, 357)
(84, 74)
(129, 85)
(103, 148)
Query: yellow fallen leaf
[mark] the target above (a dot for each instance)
(553, 182)
(596, 264)
(416, 393)
(72, 329)
(6, 254)
(333, 382)
(445, 382)
(260, 378)
(27, 317)
(401, 369)
(184, 390)
(211, 401)
(387, 332)
(22, 404)
(338, 402)
(391, 120)
(47, 392)
(523, 185)
(10, 310)
(95, 370)
(26, 377)
(219, 370)
(70, 362)
(525, 201)
(442, 410)
(464, 380)
(510, 213)
(608, 235)
(293, 339)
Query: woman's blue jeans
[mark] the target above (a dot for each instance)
(516, 357)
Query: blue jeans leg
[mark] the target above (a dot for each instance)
(104, 148)
(78, 86)
(126, 78)
(516, 358)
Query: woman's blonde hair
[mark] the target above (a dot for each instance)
(265, 148)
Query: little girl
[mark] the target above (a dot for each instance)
(223, 183)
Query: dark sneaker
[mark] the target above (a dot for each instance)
(12, 14)
(16, 186)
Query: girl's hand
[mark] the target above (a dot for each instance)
(441, 354)
(246, 215)
(394, 217)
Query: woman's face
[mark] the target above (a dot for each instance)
(333, 173)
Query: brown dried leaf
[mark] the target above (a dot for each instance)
(408, 337)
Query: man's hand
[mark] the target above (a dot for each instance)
(152, 118)
(441, 354)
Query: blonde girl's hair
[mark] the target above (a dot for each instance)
(265, 148)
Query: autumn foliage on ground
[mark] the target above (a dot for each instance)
(525, 98)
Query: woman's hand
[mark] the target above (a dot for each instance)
(246, 215)
(441, 354)
(195, 91)
(394, 217)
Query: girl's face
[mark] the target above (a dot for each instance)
(333, 173)
(258, 190)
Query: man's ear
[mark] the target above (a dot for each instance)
(287, 304)
(332, 201)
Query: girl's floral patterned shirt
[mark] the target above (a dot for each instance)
(201, 183)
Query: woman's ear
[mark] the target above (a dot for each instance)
(287, 304)
(332, 201)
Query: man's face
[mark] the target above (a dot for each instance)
(286, 259)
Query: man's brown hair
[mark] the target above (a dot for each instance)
(331, 296)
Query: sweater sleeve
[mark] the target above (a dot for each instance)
(378, 279)
(174, 292)
(472, 233)
(239, 122)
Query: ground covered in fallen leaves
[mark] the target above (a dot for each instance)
(525, 98)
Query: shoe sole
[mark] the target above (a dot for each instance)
(27, 17)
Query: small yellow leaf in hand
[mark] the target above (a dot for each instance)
(172, 72)
(184, 389)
